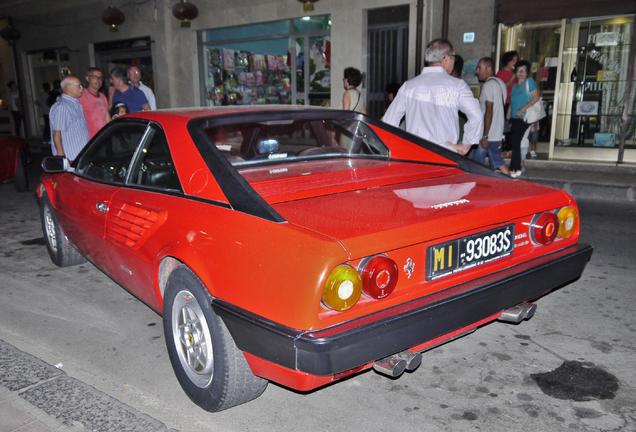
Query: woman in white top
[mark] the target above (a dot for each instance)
(352, 99)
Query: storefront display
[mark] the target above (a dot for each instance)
(593, 88)
(266, 63)
(581, 64)
(246, 78)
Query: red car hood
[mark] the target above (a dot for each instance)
(373, 206)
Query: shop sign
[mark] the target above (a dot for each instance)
(587, 108)
(606, 39)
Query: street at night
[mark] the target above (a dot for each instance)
(570, 367)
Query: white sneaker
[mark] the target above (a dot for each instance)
(533, 154)
(515, 174)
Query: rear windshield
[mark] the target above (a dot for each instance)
(295, 139)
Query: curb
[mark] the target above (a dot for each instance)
(588, 190)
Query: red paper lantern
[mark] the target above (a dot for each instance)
(10, 34)
(113, 17)
(185, 12)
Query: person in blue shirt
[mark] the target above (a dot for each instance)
(134, 98)
(524, 95)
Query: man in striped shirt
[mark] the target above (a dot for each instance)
(69, 133)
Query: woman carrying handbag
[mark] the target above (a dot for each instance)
(522, 112)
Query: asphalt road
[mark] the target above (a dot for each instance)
(77, 347)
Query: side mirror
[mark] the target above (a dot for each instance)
(55, 164)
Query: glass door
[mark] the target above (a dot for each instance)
(537, 43)
(594, 77)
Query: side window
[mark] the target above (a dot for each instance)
(155, 168)
(108, 157)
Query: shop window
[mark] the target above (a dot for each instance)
(312, 24)
(281, 62)
(594, 83)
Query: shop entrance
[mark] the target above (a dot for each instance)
(387, 56)
(594, 84)
(50, 67)
(581, 68)
(537, 43)
(123, 54)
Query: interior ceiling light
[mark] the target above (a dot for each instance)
(113, 18)
(185, 12)
(308, 5)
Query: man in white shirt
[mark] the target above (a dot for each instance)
(491, 99)
(134, 75)
(431, 102)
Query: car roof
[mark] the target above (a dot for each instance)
(199, 112)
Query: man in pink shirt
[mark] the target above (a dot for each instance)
(94, 103)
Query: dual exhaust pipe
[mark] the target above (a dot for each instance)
(395, 365)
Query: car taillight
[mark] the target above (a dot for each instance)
(567, 221)
(379, 276)
(342, 289)
(544, 228)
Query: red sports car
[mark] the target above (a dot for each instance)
(302, 245)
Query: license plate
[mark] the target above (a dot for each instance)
(467, 252)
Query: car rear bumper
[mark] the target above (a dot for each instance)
(358, 342)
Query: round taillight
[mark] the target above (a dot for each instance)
(343, 288)
(544, 228)
(567, 221)
(379, 277)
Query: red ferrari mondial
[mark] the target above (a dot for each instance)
(302, 246)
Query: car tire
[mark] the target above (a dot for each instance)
(61, 250)
(21, 181)
(210, 368)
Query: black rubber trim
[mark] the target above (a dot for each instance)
(349, 345)
(143, 188)
(239, 192)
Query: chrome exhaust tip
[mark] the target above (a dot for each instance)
(518, 313)
(413, 359)
(392, 366)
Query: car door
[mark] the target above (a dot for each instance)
(135, 230)
(83, 199)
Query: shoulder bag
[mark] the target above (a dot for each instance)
(536, 112)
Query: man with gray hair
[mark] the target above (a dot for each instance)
(134, 78)
(69, 133)
(431, 101)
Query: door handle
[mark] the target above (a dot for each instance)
(101, 207)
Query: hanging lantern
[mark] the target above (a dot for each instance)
(10, 34)
(185, 12)
(308, 5)
(113, 18)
